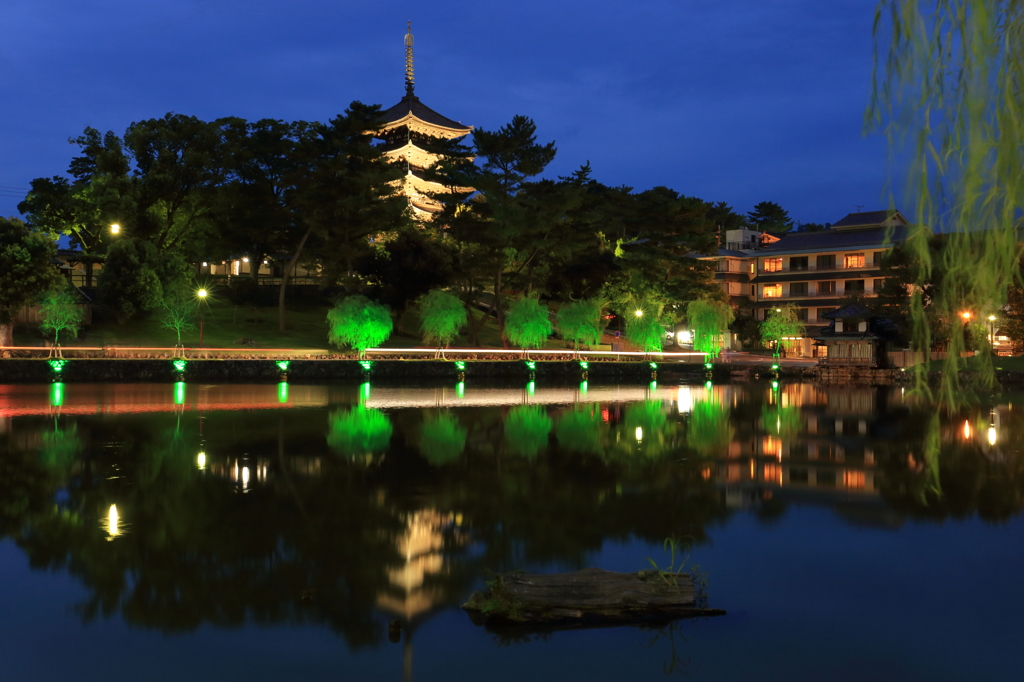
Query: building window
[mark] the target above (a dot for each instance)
(801, 314)
(798, 289)
(771, 291)
(876, 258)
(854, 285)
(773, 265)
(877, 285)
(853, 260)
(798, 263)
(753, 287)
(826, 262)
(826, 288)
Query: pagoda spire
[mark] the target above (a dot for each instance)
(409, 84)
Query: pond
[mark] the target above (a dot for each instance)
(271, 532)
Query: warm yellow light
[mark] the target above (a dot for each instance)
(992, 435)
(113, 522)
(201, 293)
(991, 318)
(201, 461)
(245, 260)
(966, 314)
(245, 477)
(639, 434)
(967, 430)
(115, 228)
(205, 264)
(639, 313)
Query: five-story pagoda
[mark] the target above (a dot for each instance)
(407, 131)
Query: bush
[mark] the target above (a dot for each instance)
(358, 322)
(528, 325)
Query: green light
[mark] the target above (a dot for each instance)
(460, 389)
(57, 394)
(531, 387)
(57, 364)
(530, 365)
(364, 392)
(654, 385)
(584, 364)
(367, 365)
(283, 365)
(460, 365)
(282, 392)
(707, 385)
(775, 367)
(179, 393)
(179, 364)
(708, 365)
(653, 365)
(583, 387)
(775, 385)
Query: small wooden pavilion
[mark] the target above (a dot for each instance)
(856, 337)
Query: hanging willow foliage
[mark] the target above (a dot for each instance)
(709, 321)
(948, 92)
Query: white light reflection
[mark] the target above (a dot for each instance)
(685, 400)
(639, 434)
(113, 522)
(992, 437)
(245, 477)
(201, 461)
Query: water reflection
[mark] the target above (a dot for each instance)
(232, 507)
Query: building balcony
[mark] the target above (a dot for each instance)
(814, 268)
(832, 294)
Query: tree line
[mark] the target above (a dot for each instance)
(325, 195)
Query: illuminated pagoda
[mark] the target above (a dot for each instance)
(408, 128)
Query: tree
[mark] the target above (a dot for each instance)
(644, 329)
(580, 322)
(769, 217)
(26, 271)
(441, 316)
(709, 321)
(948, 78)
(529, 324)
(358, 322)
(178, 312)
(129, 283)
(60, 312)
(405, 267)
(509, 223)
(778, 324)
(346, 193)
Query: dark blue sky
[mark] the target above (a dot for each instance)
(729, 100)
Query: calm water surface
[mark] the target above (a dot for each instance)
(169, 532)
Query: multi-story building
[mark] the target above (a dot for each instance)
(811, 270)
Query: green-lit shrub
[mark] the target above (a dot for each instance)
(358, 322)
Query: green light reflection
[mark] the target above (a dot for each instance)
(460, 389)
(57, 394)
(179, 393)
(583, 387)
(282, 392)
(531, 387)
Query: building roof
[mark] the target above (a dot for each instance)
(853, 310)
(410, 105)
(830, 240)
(871, 219)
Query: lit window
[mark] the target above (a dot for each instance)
(853, 479)
(772, 291)
(774, 264)
(853, 260)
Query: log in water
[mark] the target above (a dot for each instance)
(591, 597)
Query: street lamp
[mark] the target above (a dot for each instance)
(201, 295)
(115, 229)
(638, 313)
(992, 332)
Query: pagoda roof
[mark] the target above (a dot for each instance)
(411, 108)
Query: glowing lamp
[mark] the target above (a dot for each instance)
(202, 293)
(638, 313)
(115, 229)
